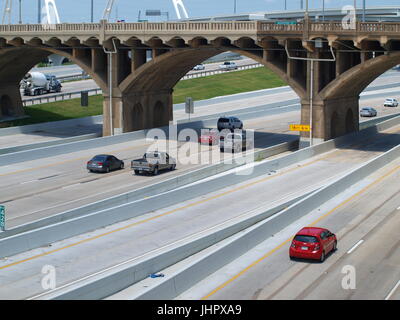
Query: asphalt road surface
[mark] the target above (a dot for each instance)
(86, 254)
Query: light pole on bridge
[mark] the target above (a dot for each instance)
(91, 11)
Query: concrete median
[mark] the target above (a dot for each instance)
(48, 143)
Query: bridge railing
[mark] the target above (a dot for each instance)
(361, 27)
(46, 28)
(184, 26)
(210, 26)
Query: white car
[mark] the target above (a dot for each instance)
(391, 103)
(199, 67)
(368, 112)
(228, 66)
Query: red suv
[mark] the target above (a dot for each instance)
(312, 243)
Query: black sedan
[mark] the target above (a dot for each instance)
(104, 163)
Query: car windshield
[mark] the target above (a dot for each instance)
(307, 239)
(223, 120)
(99, 158)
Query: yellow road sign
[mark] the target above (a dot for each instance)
(299, 127)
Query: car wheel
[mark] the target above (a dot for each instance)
(137, 171)
(155, 172)
(108, 170)
(221, 149)
(173, 167)
(334, 246)
(121, 166)
(322, 259)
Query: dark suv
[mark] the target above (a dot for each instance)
(230, 123)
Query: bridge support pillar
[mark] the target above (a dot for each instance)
(10, 101)
(137, 111)
(331, 118)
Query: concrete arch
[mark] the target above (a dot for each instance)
(16, 62)
(352, 82)
(165, 71)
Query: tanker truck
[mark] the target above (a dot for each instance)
(37, 83)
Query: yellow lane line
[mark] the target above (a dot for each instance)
(226, 283)
(165, 214)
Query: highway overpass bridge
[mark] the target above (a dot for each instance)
(141, 94)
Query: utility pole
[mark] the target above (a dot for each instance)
(91, 11)
(364, 8)
(20, 11)
(39, 12)
(234, 6)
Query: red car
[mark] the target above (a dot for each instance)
(313, 243)
(211, 138)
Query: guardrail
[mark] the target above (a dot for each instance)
(59, 97)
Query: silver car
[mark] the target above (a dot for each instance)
(228, 66)
(390, 102)
(199, 67)
(368, 112)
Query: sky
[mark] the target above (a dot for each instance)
(79, 10)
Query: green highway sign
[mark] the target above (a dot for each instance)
(2, 218)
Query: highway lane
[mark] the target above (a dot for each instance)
(80, 256)
(63, 183)
(366, 222)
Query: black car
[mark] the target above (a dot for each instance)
(104, 163)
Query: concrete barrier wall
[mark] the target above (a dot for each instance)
(51, 125)
(48, 143)
(373, 122)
